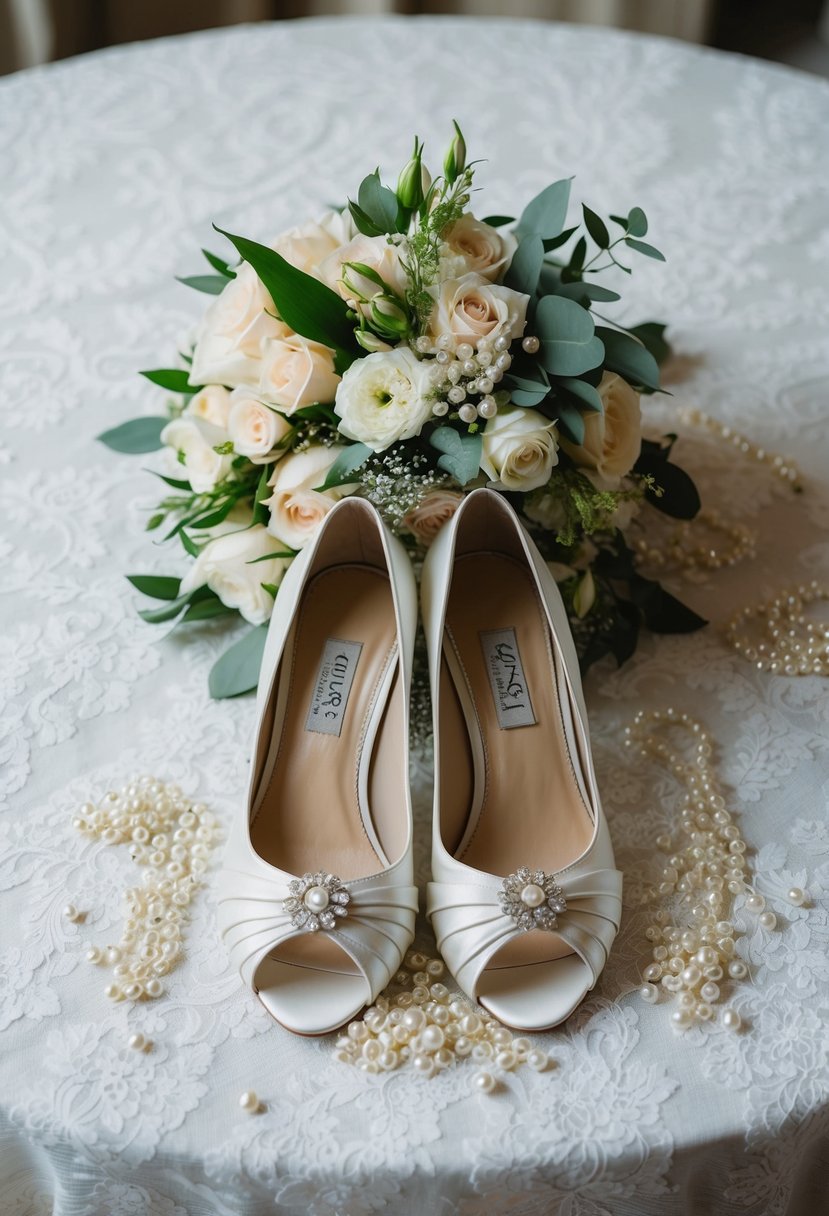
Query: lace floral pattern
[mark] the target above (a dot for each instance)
(116, 174)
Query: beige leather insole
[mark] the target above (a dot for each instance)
(532, 809)
(309, 817)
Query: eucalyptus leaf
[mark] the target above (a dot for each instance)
(137, 436)
(498, 221)
(527, 393)
(629, 358)
(237, 671)
(174, 379)
(595, 225)
(461, 453)
(570, 422)
(637, 222)
(642, 247)
(210, 284)
(555, 242)
(569, 345)
(546, 213)
(379, 203)
(652, 336)
(157, 586)
(351, 458)
(587, 396)
(362, 222)
(526, 264)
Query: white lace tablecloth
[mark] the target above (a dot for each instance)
(114, 166)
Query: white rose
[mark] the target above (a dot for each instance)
(480, 247)
(195, 440)
(470, 308)
(612, 439)
(385, 398)
(519, 448)
(308, 247)
(378, 254)
(434, 510)
(232, 332)
(212, 404)
(297, 507)
(224, 564)
(254, 428)
(545, 508)
(295, 372)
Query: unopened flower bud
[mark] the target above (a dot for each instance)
(455, 161)
(585, 595)
(388, 318)
(414, 181)
(370, 341)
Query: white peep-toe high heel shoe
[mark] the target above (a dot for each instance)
(317, 901)
(525, 899)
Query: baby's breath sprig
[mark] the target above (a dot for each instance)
(396, 480)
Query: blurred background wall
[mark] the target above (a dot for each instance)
(37, 31)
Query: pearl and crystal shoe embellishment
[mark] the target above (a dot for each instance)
(316, 901)
(533, 899)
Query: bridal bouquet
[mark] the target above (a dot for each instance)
(406, 350)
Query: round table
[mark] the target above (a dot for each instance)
(115, 165)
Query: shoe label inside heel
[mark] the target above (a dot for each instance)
(507, 679)
(332, 686)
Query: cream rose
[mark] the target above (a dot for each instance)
(296, 372)
(385, 398)
(481, 248)
(195, 440)
(471, 308)
(378, 254)
(545, 508)
(308, 247)
(297, 507)
(233, 331)
(519, 449)
(254, 428)
(212, 404)
(227, 564)
(612, 439)
(434, 510)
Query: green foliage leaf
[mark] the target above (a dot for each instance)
(379, 203)
(555, 242)
(546, 213)
(267, 557)
(637, 222)
(525, 267)
(157, 586)
(595, 225)
(212, 518)
(629, 358)
(569, 345)
(173, 482)
(362, 222)
(570, 422)
(308, 306)
(237, 671)
(136, 436)
(679, 498)
(188, 544)
(652, 336)
(587, 291)
(210, 284)
(205, 610)
(585, 393)
(349, 460)
(261, 513)
(642, 247)
(219, 265)
(498, 221)
(461, 456)
(173, 379)
(663, 612)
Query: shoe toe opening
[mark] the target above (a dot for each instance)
(311, 987)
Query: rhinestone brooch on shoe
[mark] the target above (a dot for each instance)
(316, 901)
(533, 899)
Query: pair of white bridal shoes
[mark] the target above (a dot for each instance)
(317, 901)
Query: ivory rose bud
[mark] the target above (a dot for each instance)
(519, 449)
(434, 510)
(228, 565)
(232, 333)
(385, 398)
(212, 404)
(379, 255)
(308, 247)
(471, 308)
(195, 441)
(255, 428)
(612, 439)
(483, 249)
(297, 506)
(295, 373)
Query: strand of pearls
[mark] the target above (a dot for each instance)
(421, 1025)
(705, 871)
(678, 554)
(471, 373)
(783, 466)
(172, 837)
(782, 639)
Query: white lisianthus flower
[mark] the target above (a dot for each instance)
(233, 331)
(308, 246)
(472, 308)
(519, 449)
(212, 404)
(478, 248)
(295, 373)
(376, 252)
(385, 398)
(254, 428)
(612, 439)
(297, 506)
(195, 440)
(227, 564)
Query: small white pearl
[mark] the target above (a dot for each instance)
(249, 1101)
(137, 1042)
(710, 992)
(533, 896)
(467, 413)
(538, 1059)
(316, 899)
(530, 344)
(737, 969)
(154, 988)
(649, 994)
(731, 1019)
(796, 896)
(506, 1059)
(432, 1038)
(71, 912)
(93, 955)
(767, 921)
(484, 1082)
(681, 1019)
(755, 903)
(424, 1064)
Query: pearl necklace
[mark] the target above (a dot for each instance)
(172, 837)
(707, 870)
(783, 466)
(677, 553)
(793, 645)
(420, 1024)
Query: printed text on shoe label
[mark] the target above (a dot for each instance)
(332, 686)
(507, 679)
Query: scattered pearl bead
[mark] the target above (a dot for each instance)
(484, 1082)
(731, 1019)
(467, 413)
(538, 1060)
(249, 1101)
(71, 913)
(767, 921)
(137, 1042)
(755, 903)
(649, 994)
(796, 896)
(530, 344)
